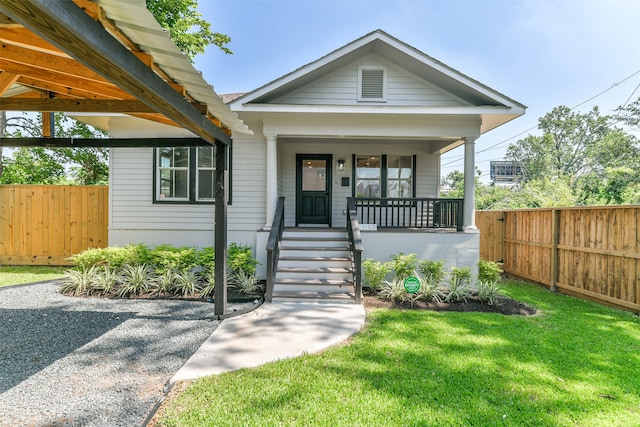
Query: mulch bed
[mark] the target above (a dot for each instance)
(506, 306)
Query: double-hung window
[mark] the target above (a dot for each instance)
(391, 176)
(184, 175)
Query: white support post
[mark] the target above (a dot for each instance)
(468, 216)
(271, 190)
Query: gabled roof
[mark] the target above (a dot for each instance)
(450, 80)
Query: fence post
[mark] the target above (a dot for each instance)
(555, 236)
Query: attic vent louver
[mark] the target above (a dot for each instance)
(372, 83)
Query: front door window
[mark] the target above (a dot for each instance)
(313, 183)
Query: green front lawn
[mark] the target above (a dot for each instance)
(16, 275)
(575, 363)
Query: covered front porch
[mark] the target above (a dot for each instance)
(375, 197)
(392, 184)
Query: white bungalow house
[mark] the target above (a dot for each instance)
(366, 123)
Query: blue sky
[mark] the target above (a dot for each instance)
(538, 52)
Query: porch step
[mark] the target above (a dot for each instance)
(316, 295)
(314, 263)
(311, 261)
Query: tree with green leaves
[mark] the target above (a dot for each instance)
(630, 114)
(187, 29)
(563, 149)
(85, 166)
(581, 158)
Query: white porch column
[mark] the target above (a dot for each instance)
(271, 190)
(468, 215)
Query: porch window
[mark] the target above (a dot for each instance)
(399, 176)
(368, 176)
(384, 176)
(184, 175)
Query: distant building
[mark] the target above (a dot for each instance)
(505, 171)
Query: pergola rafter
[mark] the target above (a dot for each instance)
(69, 56)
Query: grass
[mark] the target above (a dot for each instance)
(17, 275)
(576, 363)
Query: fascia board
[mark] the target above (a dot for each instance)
(379, 109)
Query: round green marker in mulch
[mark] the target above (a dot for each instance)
(411, 284)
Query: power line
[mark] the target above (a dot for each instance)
(494, 146)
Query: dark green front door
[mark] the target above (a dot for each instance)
(313, 189)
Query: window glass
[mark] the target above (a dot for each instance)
(368, 176)
(205, 157)
(205, 177)
(314, 174)
(206, 180)
(173, 173)
(399, 176)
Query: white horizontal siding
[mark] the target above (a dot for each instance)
(247, 212)
(341, 88)
(132, 206)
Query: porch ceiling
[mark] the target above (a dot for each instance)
(103, 56)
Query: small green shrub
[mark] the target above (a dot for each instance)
(374, 272)
(239, 257)
(187, 283)
(79, 281)
(114, 256)
(487, 291)
(489, 271)
(243, 282)
(403, 265)
(393, 290)
(167, 257)
(432, 270)
(164, 283)
(136, 279)
(107, 280)
(209, 278)
(206, 257)
(462, 274)
(430, 290)
(121, 270)
(458, 290)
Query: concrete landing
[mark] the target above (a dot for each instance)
(283, 329)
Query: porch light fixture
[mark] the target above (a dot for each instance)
(340, 166)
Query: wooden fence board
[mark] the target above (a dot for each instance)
(44, 224)
(593, 252)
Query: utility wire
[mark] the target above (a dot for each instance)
(495, 146)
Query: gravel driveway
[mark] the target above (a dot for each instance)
(68, 361)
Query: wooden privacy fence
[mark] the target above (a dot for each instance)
(591, 252)
(45, 224)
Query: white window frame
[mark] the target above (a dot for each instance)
(192, 178)
(197, 175)
(158, 176)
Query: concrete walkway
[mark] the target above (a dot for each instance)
(283, 329)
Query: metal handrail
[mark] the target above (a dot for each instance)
(273, 248)
(356, 246)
